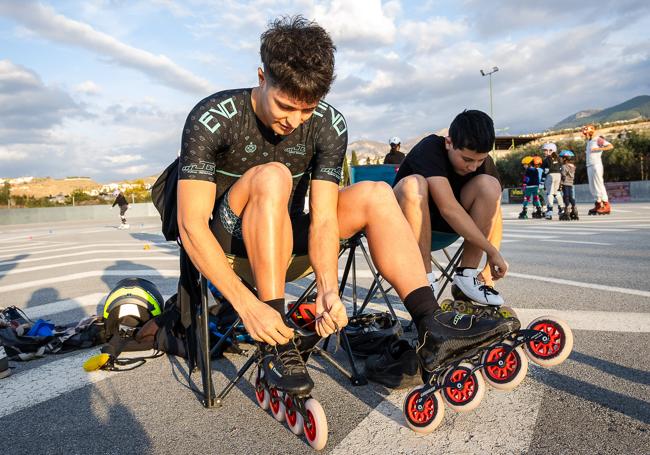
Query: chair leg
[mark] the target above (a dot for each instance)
(204, 347)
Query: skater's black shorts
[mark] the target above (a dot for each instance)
(226, 226)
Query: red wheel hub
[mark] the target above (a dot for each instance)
(275, 400)
(555, 340)
(420, 416)
(259, 390)
(464, 394)
(310, 426)
(509, 368)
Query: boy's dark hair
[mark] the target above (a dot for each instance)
(298, 58)
(473, 130)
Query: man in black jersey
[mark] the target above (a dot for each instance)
(247, 159)
(450, 185)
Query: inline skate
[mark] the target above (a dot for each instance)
(564, 216)
(574, 214)
(283, 385)
(523, 215)
(460, 382)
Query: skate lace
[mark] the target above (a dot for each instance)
(484, 288)
(291, 360)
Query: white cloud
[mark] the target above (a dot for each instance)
(141, 169)
(424, 36)
(122, 159)
(47, 23)
(88, 88)
(359, 24)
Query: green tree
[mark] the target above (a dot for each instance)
(354, 160)
(5, 193)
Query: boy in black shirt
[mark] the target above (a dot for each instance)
(451, 185)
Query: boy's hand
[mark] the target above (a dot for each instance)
(498, 265)
(265, 324)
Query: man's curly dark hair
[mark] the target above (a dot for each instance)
(298, 58)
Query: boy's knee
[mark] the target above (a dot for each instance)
(411, 188)
(489, 187)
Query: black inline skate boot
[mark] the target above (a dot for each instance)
(284, 368)
(445, 335)
(574, 213)
(564, 216)
(538, 213)
(523, 215)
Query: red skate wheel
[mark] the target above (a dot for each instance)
(509, 370)
(427, 417)
(316, 425)
(556, 345)
(462, 393)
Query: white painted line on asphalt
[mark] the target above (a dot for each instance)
(161, 273)
(24, 246)
(572, 228)
(488, 429)
(547, 231)
(524, 236)
(367, 274)
(598, 321)
(59, 265)
(81, 246)
(37, 385)
(61, 306)
(85, 253)
(575, 241)
(581, 284)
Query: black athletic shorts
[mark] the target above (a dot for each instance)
(226, 226)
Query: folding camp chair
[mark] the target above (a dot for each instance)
(203, 353)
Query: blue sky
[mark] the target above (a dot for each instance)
(102, 87)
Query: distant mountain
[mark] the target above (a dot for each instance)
(371, 150)
(636, 107)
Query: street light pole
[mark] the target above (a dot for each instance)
(490, 73)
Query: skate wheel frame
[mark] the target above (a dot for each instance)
(556, 346)
(509, 370)
(277, 405)
(315, 426)
(295, 421)
(462, 393)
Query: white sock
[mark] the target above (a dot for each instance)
(432, 277)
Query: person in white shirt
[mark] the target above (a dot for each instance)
(595, 146)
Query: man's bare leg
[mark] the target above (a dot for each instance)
(494, 237)
(412, 193)
(371, 206)
(260, 197)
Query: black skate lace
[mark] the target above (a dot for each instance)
(485, 288)
(291, 359)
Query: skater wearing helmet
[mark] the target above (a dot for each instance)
(594, 149)
(248, 158)
(531, 188)
(551, 167)
(394, 156)
(568, 172)
(450, 185)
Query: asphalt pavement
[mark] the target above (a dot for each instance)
(594, 273)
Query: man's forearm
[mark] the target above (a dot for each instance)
(323, 254)
(209, 258)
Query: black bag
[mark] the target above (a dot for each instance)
(163, 195)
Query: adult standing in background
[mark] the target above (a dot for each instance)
(595, 146)
(552, 167)
(394, 156)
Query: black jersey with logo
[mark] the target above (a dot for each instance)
(223, 138)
